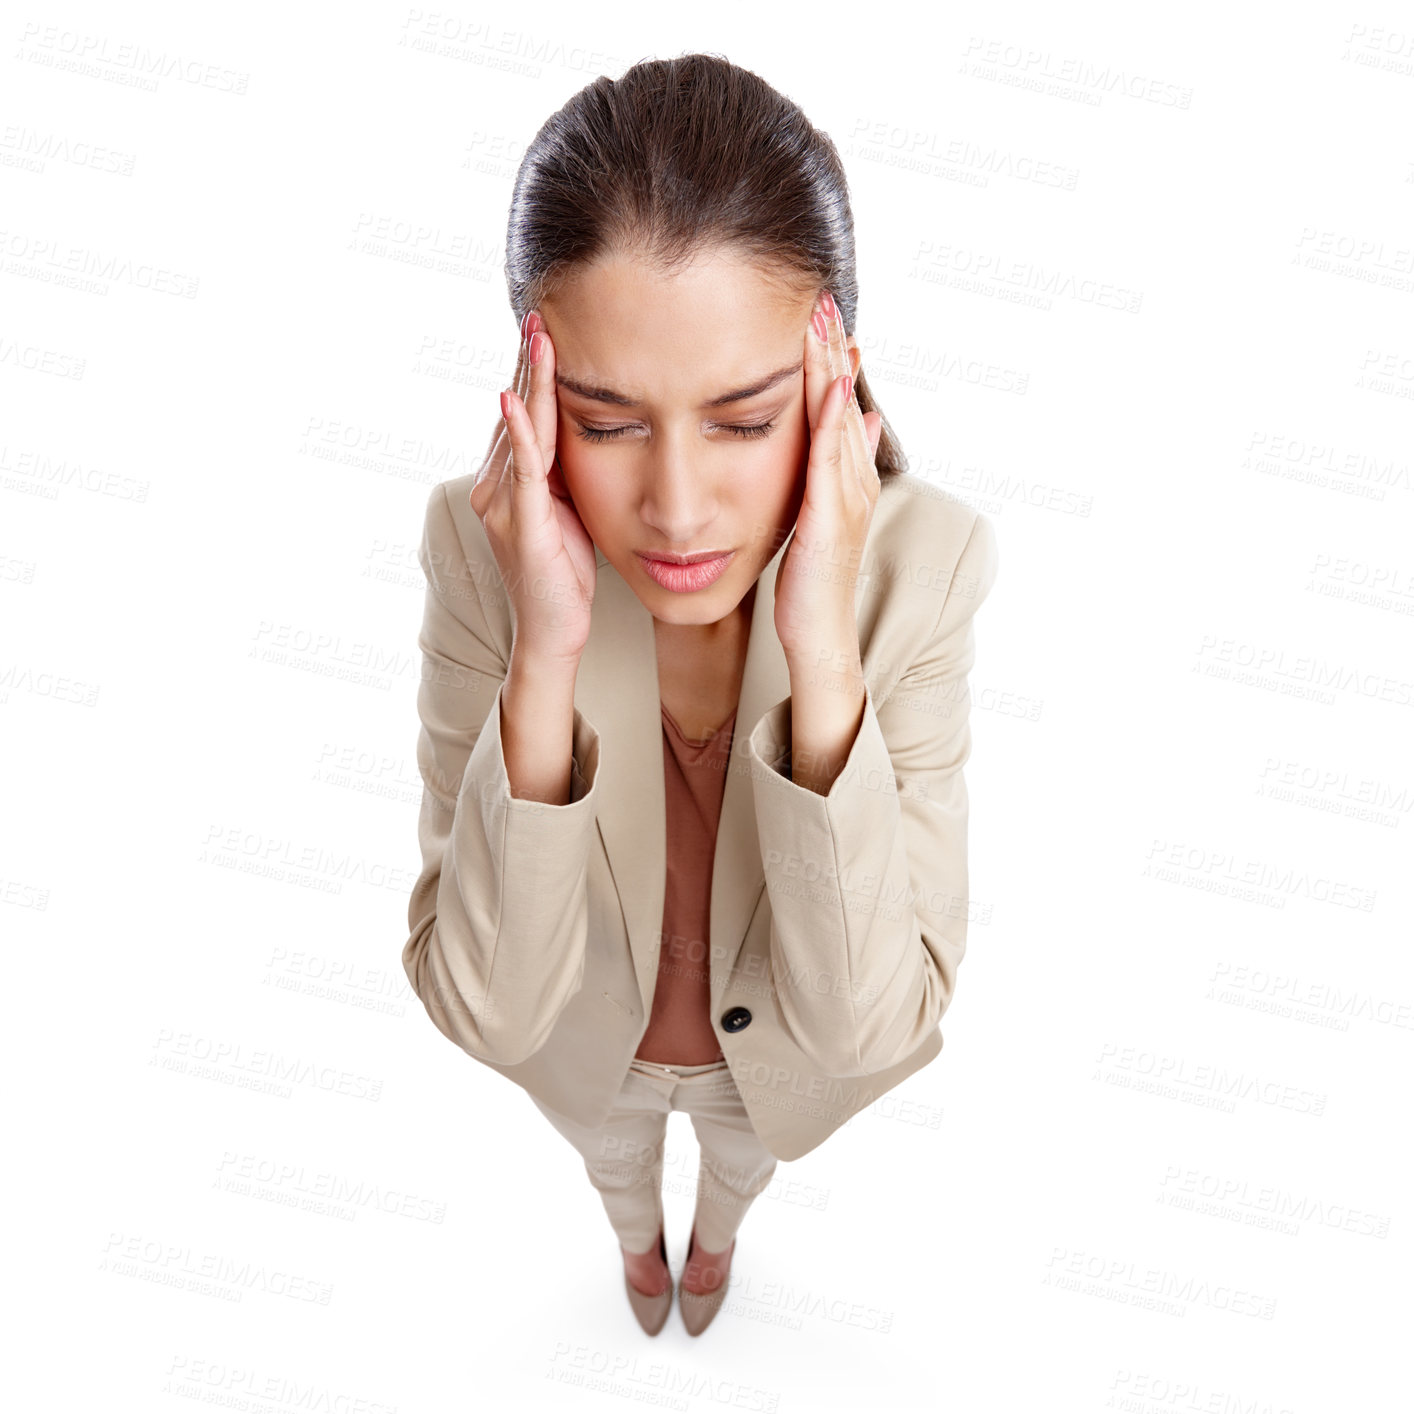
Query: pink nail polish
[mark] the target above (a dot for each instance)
(537, 346)
(505, 406)
(817, 322)
(828, 300)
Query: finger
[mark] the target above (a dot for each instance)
(543, 403)
(491, 470)
(825, 470)
(496, 462)
(498, 444)
(854, 432)
(498, 433)
(874, 426)
(864, 446)
(492, 474)
(525, 461)
(529, 496)
(818, 366)
(520, 383)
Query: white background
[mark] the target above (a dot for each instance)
(1136, 284)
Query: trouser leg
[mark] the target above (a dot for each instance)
(624, 1160)
(735, 1166)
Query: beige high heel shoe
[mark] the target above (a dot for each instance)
(652, 1311)
(698, 1308)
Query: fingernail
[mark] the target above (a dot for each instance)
(537, 346)
(817, 322)
(828, 300)
(848, 387)
(505, 406)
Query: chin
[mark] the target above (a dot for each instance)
(707, 606)
(687, 615)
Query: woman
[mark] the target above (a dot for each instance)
(694, 701)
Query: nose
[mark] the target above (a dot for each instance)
(679, 500)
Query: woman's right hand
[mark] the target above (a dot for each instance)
(545, 554)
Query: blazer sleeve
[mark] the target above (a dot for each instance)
(499, 913)
(868, 885)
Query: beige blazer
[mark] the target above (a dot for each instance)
(837, 922)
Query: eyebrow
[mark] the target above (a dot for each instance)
(599, 394)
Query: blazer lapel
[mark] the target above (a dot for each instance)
(617, 690)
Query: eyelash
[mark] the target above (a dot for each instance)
(742, 429)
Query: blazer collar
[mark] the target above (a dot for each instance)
(617, 690)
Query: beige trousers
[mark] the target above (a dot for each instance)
(624, 1156)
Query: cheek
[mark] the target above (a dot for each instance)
(769, 471)
(767, 487)
(598, 495)
(784, 458)
(585, 488)
(579, 464)
(772, 464)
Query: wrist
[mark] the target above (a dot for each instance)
(830, 644)
(835, 662)
(528, 669)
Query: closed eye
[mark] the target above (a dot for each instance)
(742, 429)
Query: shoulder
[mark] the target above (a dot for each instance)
(458, 561)
(456, 554)
(454, 543)
(928, 551)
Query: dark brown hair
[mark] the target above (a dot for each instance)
(679, 154)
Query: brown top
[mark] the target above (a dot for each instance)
(694, 779)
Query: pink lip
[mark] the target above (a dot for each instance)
(688, 578)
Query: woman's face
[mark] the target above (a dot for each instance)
(664, 447)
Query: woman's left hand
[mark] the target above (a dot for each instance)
(815, 587)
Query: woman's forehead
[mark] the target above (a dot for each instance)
(715, 287)
(711, 334)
